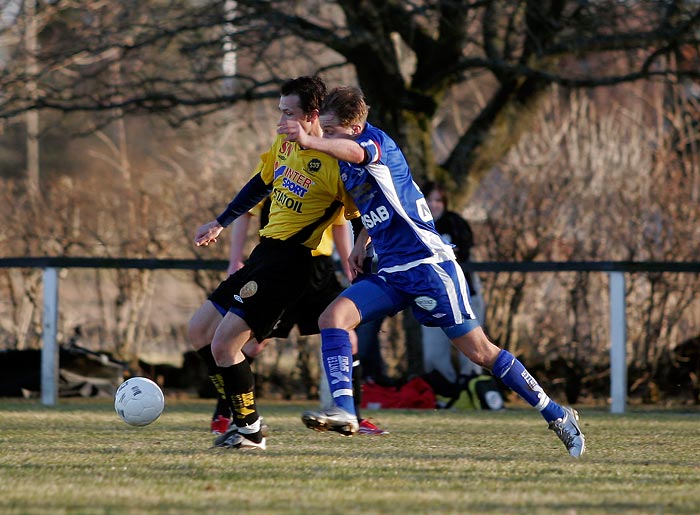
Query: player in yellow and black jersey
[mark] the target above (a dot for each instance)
(321, 290)
(307, 195)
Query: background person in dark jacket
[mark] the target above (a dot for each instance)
(437, 348)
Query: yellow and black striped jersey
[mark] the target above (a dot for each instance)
(325, 246)
(307, 192)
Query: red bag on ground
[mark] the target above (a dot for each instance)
(416, 394)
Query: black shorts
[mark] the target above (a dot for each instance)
(274, 279)
(323, 288)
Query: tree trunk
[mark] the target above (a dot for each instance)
(33, 115)
(498, 128)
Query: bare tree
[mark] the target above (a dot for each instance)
(596, 184)
(408, 56)
(471, 91)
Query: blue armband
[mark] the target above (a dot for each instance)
(250, 195)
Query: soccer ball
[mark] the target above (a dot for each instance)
(139, 401)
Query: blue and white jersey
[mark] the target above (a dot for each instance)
(393, 209)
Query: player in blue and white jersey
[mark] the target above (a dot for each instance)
(415, 268)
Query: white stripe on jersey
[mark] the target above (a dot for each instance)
(430, 239)
(432, 260)
(375, 154)
(449, 288)
(463, 290)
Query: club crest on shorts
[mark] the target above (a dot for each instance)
(426, 303)
(249, 289)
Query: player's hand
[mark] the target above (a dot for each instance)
(207, 233)
(357, 259)
(293, 130)
(350, 273)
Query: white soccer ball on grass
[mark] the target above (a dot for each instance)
(139, 401)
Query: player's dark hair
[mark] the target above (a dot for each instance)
(348, 104)
(311, 91)
(431, 186)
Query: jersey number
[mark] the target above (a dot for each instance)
(423, 210)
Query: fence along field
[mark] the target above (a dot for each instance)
(616, 272)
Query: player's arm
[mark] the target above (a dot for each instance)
(359, 252)
(342, 149)
(343, 244)
(239, 236)
(250, 195)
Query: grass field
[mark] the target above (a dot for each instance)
(79, 457)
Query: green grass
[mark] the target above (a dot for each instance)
(79, 457)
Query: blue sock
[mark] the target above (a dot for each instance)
(337, 362)
(516, 377)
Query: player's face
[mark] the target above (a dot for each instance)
(332, 128)
(290, 110)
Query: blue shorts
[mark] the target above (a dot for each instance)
(437, 294)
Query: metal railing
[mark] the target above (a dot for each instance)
(615, 269)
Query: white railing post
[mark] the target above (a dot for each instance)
(618, 343)
(49, 351)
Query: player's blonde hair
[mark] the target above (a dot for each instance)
(348, 104)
